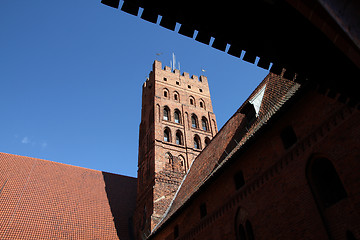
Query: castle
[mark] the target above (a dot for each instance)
(284, 166)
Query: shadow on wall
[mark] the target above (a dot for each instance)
(121, 194)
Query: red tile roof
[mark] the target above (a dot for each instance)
(278, 90)
(41, 199)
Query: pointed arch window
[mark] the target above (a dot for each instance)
(167, 135)
(176, 96)
(204, 124)
(194, 121)
(197, 144)
(192, 101)
(166, 93)
(166, 114)
(177, 116)
(179, 138)
(207, 141)
(325, 182)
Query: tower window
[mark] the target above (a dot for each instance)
(207, 141)
(288, 137)
(179, 140)
(191, 101)
(176, 96)
(177, 118)
(167, 135)
(166, 115)
(203, 210)
(189, 86)
(194, 121)
(197, 142)
(204, 124)
(201, 105)
(165, 79)
(177, 83)
(165, 93)
(200, 89)
(327, 186)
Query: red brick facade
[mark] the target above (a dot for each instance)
(177, 122)
(293, 175)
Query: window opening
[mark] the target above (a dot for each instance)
(204, 124)
(194, 121)
(197, 142)
(179, 138)
(166, 114)
(165, 93)
(189, 86)
(177, 116)
(207, 141)
(166, 135)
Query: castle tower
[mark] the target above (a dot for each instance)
(177, 122)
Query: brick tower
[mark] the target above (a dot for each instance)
(177, 122)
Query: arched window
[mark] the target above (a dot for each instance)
(202, 103)
(167, 135)
(192, 101)
(177, 116)
(166, 115)
(325, 182)
(194, 121)
(179, 138)
(197, 144)
(166, 93)
(207, 141)
(204, 124)
(176, 96)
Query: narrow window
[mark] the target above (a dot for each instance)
(176, 231)
(207, 141)
(197, 142)
(165, 79)
(200, 89)
(177, 83)
(239, 180)
(166, 135)
(203, 210)
(288, 137)
(326, 183)
(201, 105)
(194, 121)
(191, 101)
(165, 93)
(175, 97)
(189, 86)
(177, 116)
(204, 124)
(179, 138)
(166, 114)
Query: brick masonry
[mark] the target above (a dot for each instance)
(277, 199)
(163, 164)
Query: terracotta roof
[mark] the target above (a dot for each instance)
(277, 91)
(41, 199)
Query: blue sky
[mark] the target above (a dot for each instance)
(71, 74)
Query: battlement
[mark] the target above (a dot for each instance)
(157, 66)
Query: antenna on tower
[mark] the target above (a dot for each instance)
(173, 62)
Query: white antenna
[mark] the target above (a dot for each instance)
(174, 62)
